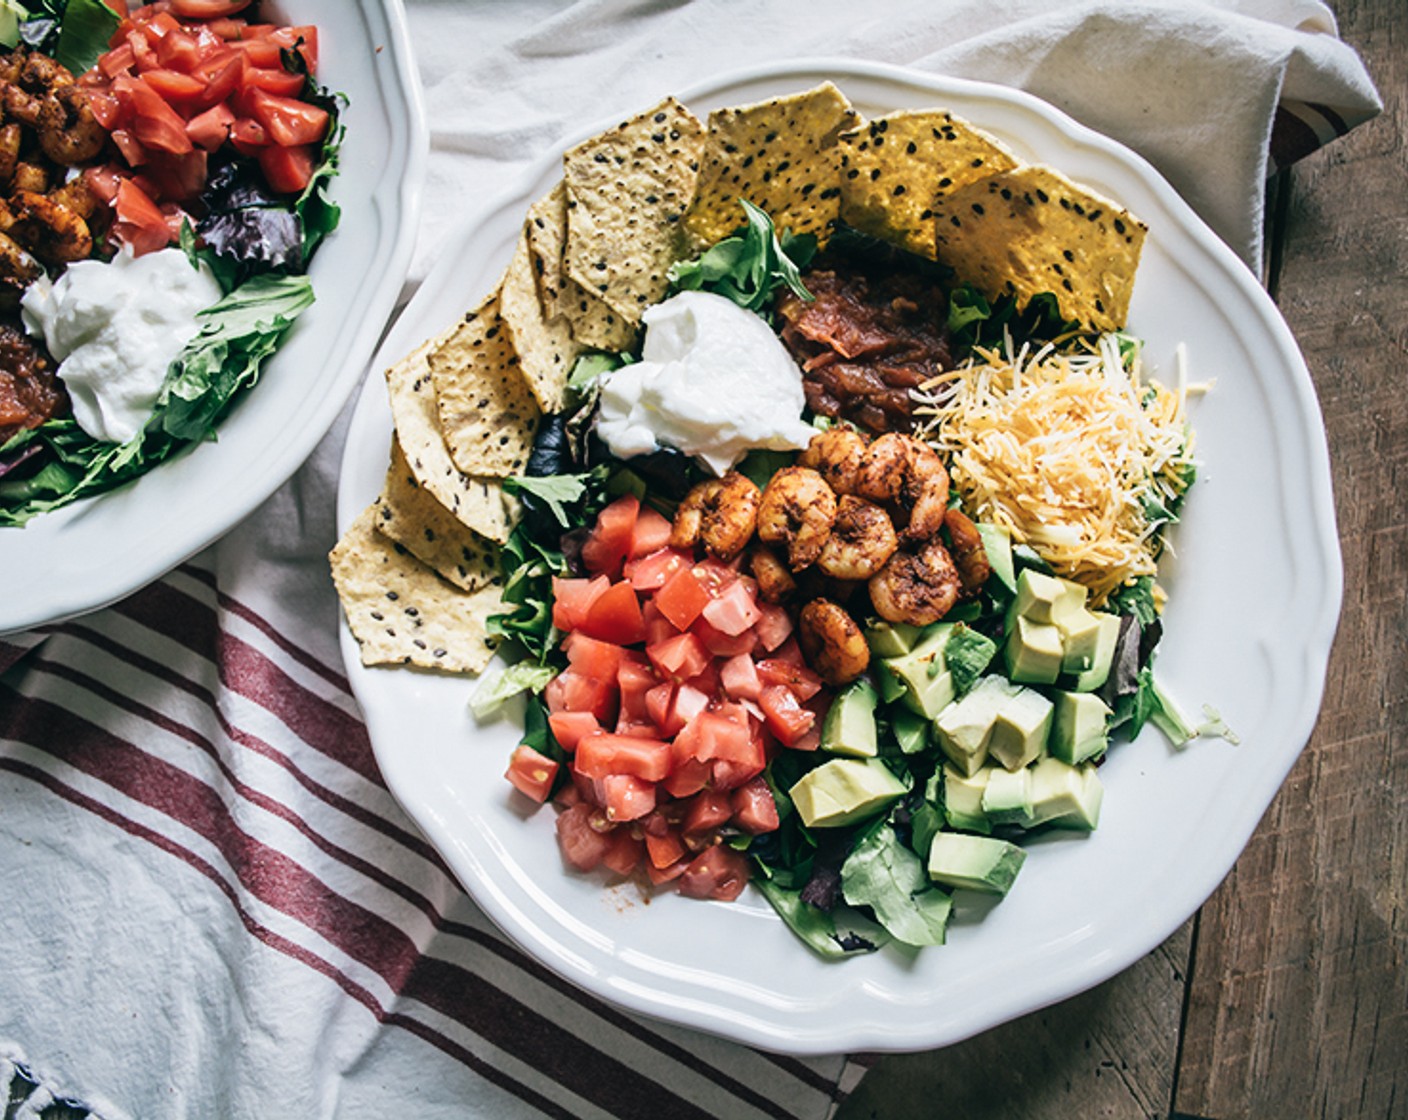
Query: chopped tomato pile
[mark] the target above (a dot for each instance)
(181, 79)
(681, 685)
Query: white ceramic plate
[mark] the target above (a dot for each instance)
(96, 551)
(1255, 594)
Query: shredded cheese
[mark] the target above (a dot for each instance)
(1075, 454)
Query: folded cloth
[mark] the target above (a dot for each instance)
(213, 906)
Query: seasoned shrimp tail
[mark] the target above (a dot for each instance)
(720, 514)
(832, 643)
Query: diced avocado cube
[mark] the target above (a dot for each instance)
(1080, 729)
(997, 543)
(1007, 797)
(1065, 796)
(844, 791)
(928, 686)
(849, 727)
(1033, 651)
(1020, 731)
(891, 639)
(889, 683)
(964, 728)
(1102, 657)
(1080, 634)
(1044, 598)
(979, 863)
(963, 799)
(911, 730)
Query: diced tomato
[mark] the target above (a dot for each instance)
(610, 539)
(572, 598)
(289, 122)
(739, 678)
(720, 644)
(707, 679)
(683, 597)
(178, 50)
(103, 181)
(207, 9)
(118, 6)
(719, 734)
(786, 718)
(583, 845)
(210, 129)
(600, 755)
(571, 691)
(303, 39)
(107, 110)
(614, 616)
(661, 875)
(592, 657)
(734, 610)
(174, 86)
(130, 147)
(679, 658)
(717, 872)
(774, 625)
(803, 683)
(259, 52)
(635, 680)
(282, 82)
(139, 222)
(658, 701)
(248, 136)
(154, 122)
(652, 532)
(708, 812)
(569, 728)
(221, 72)
(624, 852)
(687, 778)
(179, 178)
(809, 741)
(687, 703)
(664, 849)
(657, 626)
(235, 29)
(754, 807)
(288, 170)
(649, 572)
(531, 773)
(627, 798)
(117, 61)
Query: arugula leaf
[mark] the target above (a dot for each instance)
(1136, 598)
(818, 928)
(749, 267)
(974, 321)
(84, 31)
(556, 491)
(882, 873)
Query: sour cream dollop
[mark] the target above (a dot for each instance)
(713, 381)
(114, 328)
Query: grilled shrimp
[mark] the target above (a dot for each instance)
(21, 105)
(68, 132)
(908, 476)
(18, 270)
(721, 513)
(31, 177)
(862, 539)
(836, 454)
(50, 230)
(832, 642)
(916, 588)
(78, 196)
(965, 545)
(11, 136)
(775, 582)
(797, 510)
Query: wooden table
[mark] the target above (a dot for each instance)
(1286, 996)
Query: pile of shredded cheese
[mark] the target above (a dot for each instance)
(1070, 452)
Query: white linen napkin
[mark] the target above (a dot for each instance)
(212, 905)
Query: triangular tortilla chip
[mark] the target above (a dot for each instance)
(781, 155)
(478, 503)
(545, 347)
(487, 414)
(401, 612)
(409, 514)
(1032, 230)
(626, 192)
(895, 168)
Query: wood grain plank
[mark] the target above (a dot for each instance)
(1298, 1000)
(1108, 1053)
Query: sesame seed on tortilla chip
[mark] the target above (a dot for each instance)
(478, 503)
(487, 413)
(543, 342)
(595, 326)
(781, 155)
(894, 168)
(401, 612)
(1032, 230)
(627, 189)
(411, 516)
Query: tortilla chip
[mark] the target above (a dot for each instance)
(401, 612)
(1032, 230)
(544, 344)
(894, 169)
(487, 414)
(595, 326)
(626, 192)
(478, 503)
(409, 514)
(781, 155)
